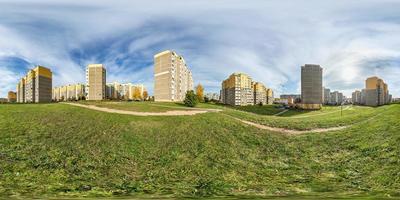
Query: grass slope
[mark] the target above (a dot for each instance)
(56, 149)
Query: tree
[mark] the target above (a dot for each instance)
(191, 99)
(145, 95)
(200, 92)
(136, 94)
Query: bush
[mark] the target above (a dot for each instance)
(191, 99)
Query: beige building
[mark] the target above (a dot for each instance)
(70, 92)
(172, 77)
(311, 87)
(21, 91)
(237, 90)
(35, 87)
(95, 82)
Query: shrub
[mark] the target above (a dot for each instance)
(191, 99)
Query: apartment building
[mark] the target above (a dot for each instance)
(270, 96)
(21, 91)
(126, 91)
(70, 92)
(260, 93)
(12, 97)
(311, 87)
(337, 98)
(356, 97)
(237, 90)
(35, 87)
(327, 96)
(95, 82)
(212, 96)
(376, 92)
(172, 77)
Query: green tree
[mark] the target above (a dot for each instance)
(191, 99)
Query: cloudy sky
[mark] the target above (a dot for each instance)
(269, 40)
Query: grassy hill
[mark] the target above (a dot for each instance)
(57, 149)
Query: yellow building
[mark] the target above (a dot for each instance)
(237, 90)
(260, 93)
(12, 97)
(95, 82)
(35, 87)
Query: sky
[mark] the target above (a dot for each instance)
(266, 39)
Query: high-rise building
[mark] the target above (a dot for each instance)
(376, 92)
(260, 93)
(95, 82)
(270, 96)
(237, 90)
(356, 97)
(327, 96)
(35, 87)
(12, 97)
(21, 91)
(311, 87)
(337, 98)
(172, 77)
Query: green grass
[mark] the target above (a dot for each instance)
(49, 150)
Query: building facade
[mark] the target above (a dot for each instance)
(126, 91)
(70, 92)
(376, 92)
(327, 96)
(172, 77)
(36, 86)
(237, 90)
(12, 97)
(311, 87)
(356, 97)
(260, 93)
(95, 82)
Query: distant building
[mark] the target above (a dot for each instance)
(172, 77)
(376, 92)
(95, 82)
(70, 92)
(356, 97)
(295, 97)
(337, 98)
(237, 90)
(126, 91)
(311, 87)
(270, 96)
(212, 96)
(35, 87)
(327, 96)
(12, 97)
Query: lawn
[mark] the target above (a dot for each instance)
(58, 150)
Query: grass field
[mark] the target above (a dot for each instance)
(49, 150)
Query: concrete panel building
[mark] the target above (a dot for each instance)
(36, 86)
(327, 96)
(376, 92)
(12, 97)
(311, 87)
(95, 82)
(21, 91)
(70, 92)
(356, 97)
(260, 93)
(270, 96)
(237, 90)
(172, 77)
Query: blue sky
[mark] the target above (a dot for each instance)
(269, 40)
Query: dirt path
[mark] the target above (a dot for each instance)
(280, 113)
(126, 112)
